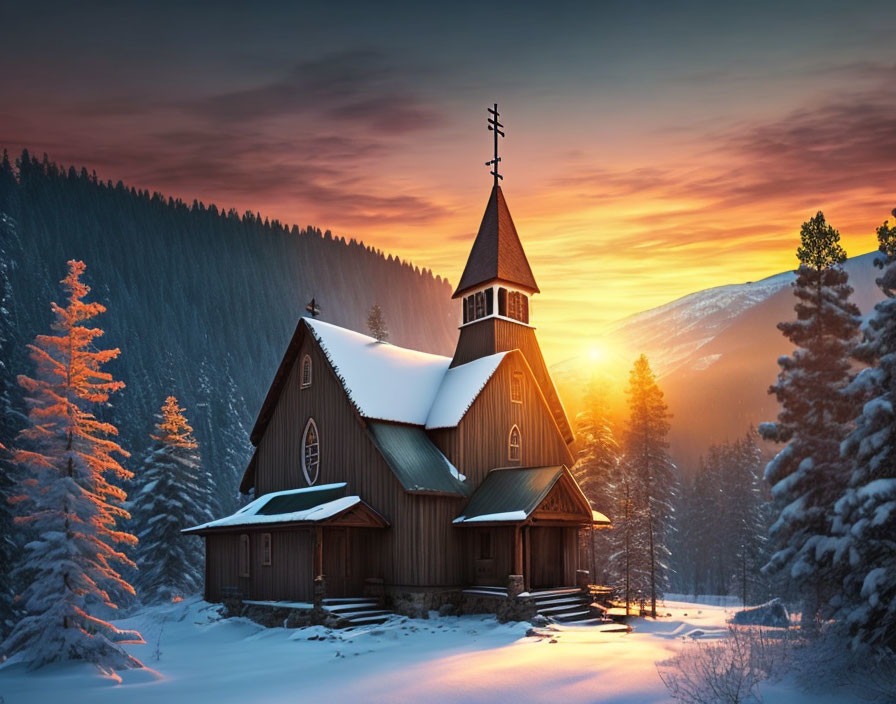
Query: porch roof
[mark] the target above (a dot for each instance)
(318, 505)
(518, 495)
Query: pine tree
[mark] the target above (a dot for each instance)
(376, 323)
(595, 470)
(70, 503)
(745, 515)
(866, 514)
(628, 564)
(655, 474)
(808, 475)
(175, 493)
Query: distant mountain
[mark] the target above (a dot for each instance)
(201, 301)
(715, 352)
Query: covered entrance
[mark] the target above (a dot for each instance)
(531, 516)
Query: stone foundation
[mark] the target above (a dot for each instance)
(407, 601)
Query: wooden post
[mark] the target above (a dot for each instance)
(517, 550)
(318, 551)
(527, 563)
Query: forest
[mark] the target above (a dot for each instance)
(200, 301)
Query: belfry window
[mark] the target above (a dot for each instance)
(311, 452)
(514, 446)
(480, 306)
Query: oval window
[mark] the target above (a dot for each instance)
(311, 452)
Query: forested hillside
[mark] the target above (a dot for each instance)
(202, 302)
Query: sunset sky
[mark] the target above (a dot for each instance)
(652, 149)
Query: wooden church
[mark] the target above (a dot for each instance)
(392, 471)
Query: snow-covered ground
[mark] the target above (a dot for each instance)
(198, 657)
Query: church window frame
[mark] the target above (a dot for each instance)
(516, 387)
(311, 452)
(266, 552)
(307, 370)
(514, 446)
(480, 306)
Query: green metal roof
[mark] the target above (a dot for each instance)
(510, 494)
(290, 502)
(416, 462)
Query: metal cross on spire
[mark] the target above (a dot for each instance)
(497, 128)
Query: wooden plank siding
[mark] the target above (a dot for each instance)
(491, 335)
(479, 443)
(288, 577)
(421, 547)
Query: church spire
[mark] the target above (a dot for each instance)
(497, 255)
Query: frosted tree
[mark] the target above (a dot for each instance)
(866, 514)
(646, 451)
(745, 515)
(175, 493)
(595, 470)
(376, 323)
(68, 498)
(808, 475)
(629, 567)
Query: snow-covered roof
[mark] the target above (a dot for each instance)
(459, 388)
(391, 383)
(313, 504)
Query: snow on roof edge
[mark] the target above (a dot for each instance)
(447, 409)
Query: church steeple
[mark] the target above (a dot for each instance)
(495, 286)
(497, 255)
(497, 279)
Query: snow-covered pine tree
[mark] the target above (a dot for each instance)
(68, 499)
(866, 514)
(376, 323)
(656, 475)
(808, 475)
(744, 513)
(175, 493)
(11, 420)
(594, 470)
(628, 566)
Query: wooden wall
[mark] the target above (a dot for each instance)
(421, 547)
(288, 577)
(479, 443)
(493, 335)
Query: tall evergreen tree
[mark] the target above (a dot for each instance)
(865, 548)
(70, 503)
(629, 567)
(808, 475)
(175, 493)
(595, 470)
(646, 451)
(745, 514)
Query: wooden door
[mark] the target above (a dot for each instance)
(546, 557)
(335, 561)
(485, 572)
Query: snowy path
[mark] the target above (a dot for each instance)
(471, 659)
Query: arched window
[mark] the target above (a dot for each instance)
(311, 452)
(514, 446)
(306, 371)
